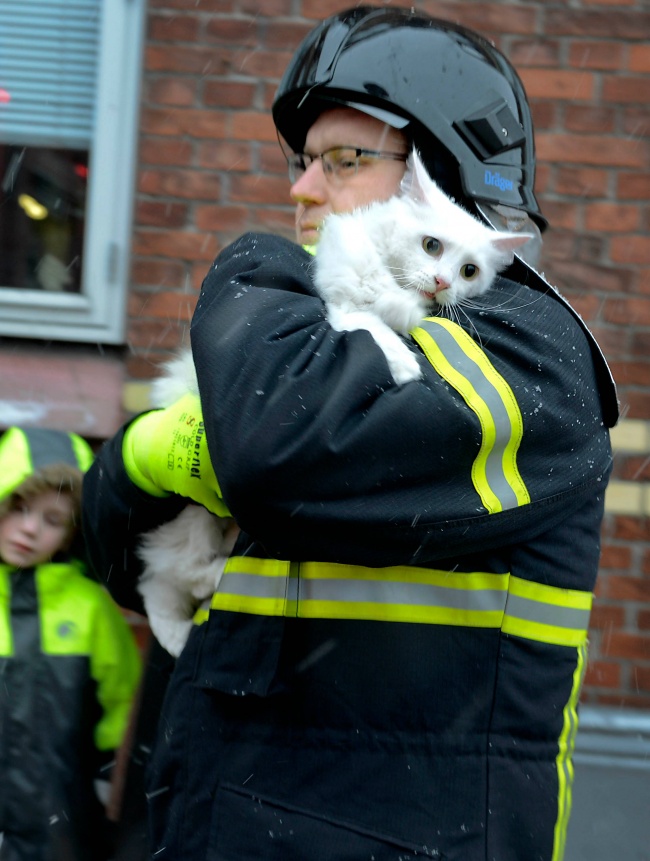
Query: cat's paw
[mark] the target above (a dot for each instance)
(170, 608)
(404, 368)
(171, 634)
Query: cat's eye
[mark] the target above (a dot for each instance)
(469, 271)
(432, 246)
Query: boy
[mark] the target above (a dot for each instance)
(68, 660)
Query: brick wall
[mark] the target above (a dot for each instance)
(210, 168)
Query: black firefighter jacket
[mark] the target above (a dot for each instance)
(392, 661)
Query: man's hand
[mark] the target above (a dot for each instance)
(165, 451)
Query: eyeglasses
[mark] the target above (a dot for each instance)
(339, 162)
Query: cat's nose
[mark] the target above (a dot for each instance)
(441, 284)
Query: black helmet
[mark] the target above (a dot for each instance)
(455, 95)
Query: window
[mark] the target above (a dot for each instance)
(69, 89)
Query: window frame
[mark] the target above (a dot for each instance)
(98, 313)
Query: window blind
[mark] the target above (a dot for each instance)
(48, 71)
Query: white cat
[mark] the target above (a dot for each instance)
(386, 266)
(183, 559)
(382, 268)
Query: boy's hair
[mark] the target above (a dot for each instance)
(60, 477)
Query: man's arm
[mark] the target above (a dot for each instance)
(320, 455)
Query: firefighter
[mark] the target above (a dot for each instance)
(391, 664)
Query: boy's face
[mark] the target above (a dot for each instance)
(36, 529)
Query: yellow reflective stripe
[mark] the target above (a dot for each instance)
(463, 364)
(320, 590)
(547, 614)
(563, 761)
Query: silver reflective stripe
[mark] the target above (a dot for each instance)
(492, 398)
(547, 614)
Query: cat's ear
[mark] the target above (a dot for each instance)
(416, 184)
(507, 243)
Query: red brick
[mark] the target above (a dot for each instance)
(176, 244)
(596, 55)
(637, 404)
(603, 674)
(631, 528)
(183, 121)
(194, 184)
(168, 151)
(613, 340)
(272, 8)
(285, 35)
(156, 213)
(259, 189)
(562, 215)
(489, 19)
(587, 306)
(590, 150)
(172, 91)
(587, 118)
(640, 345)
(634, 647)
(240, 32)
(641, 678)
(228, 94)
(225, 155)
(158, 273)
(608, 2)
(639, 58)
(643, 620)
(623, 310)
(194, 59)
(590, 248)
(173, 28)
(248, 125)
(627, 701)
(590, 23)
(612, 217)
(581, 277)
(272, 159)
(158, 334)
(631, 89)
(206, 5)
(628, 588)
(613, 556)
(636, 122)
(220, 218)
(544, 114)
(275, 221)
(634, 374)
(165, 305)
(634, 186)
(534, 52)
(558, 84)
(630, 250)
(607, 617)
(258, 63)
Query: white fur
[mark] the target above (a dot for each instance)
(183, 559)
(373, 272)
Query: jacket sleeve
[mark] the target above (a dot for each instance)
(116, 667)
(320, 455)
(115, 516)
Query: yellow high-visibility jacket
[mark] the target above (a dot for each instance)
(69, 666)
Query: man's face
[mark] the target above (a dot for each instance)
(35, 529)
(316, 195)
